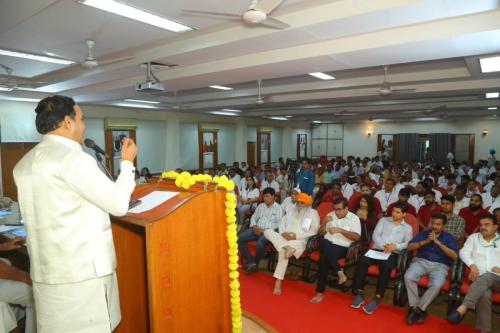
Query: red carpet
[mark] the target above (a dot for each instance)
(292, 312)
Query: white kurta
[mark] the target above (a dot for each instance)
(65, 201)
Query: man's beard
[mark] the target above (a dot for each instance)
(475, 208)
(429, 203)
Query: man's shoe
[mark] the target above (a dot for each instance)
(358, 301)
(411, 316)
(455, 317)
(371, 307)
(422, 316)
(251, 268)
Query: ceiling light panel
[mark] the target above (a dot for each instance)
(322, 76)
(221, 87)
(489, 65)
(492, 95)
(35, 57)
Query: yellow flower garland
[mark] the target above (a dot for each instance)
(185, 180)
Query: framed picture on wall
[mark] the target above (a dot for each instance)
(208, 152)
(113, 141)
(301, 145)
(386, 146)
(263, 148)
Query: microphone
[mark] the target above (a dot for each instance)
(92, 145)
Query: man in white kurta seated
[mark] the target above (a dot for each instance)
(289, 203)
(65, 200)
(15, 289)
(291, 240)
(270, 182)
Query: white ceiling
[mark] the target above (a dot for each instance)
(432, 47)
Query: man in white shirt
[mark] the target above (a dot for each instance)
(270, 182)
(481, 253)
(234, 176)
(289, 203)
(461, 201)
(267, 216)
(387, 196)
(489, 198)
(417, 200)
(65, 201)
(15, 290)
(294, 230)
(346, 188)
(341, 230)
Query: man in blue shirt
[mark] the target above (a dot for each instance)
(305, 177)
(436, 252)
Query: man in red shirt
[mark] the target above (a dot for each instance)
(403, 196)
(473, 213)
(430, 208)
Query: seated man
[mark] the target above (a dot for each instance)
(267, 216)
(437, 250)
(289, 203)
(430, 208)
(270, 182)
(15, 289)
(481, 253)
(391, 235)
(341, 229)
(473, 213)
(294, 230)
(455, 224)
(387, 195)
(403, 197)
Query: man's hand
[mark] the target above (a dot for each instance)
(335, 230)
(390, 248)
(474, 273)
(328, 218)
(257, 231)
(129, 150)
(12, 244)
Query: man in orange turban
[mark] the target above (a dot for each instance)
(295, 228)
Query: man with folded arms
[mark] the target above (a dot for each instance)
(391, 235)
(341, 229)
(291, 240)
(481, 253)
(267, 216)
(436, 252)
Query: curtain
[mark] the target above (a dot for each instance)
(407, 147)
(439, 146)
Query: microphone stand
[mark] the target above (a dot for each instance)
(99, 159)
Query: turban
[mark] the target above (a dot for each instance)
(302, 197)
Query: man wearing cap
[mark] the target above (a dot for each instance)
(291, 240)
(289, 203)
(267, 216)
(341, 229)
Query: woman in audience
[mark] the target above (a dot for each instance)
(145, 174)
(247, 199)
(367, 214)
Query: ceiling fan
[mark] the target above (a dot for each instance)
(260, 99)
(257, 13)
(386, 89)
(10, 83)
(90, 62)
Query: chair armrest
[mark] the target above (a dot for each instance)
(402, 262)
(353, 251)
(458, 274)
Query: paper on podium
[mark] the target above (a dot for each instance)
(152, 200)
(377, 255)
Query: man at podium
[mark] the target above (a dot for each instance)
(65, 201)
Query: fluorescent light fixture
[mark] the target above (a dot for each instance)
(139, 106)
(492, 95)
(133, 13)
(317, 121)
(493, 108)
(231, 110)
(288, 116)
(222, 113)
(21, 99)
(36, 57)
(322, 76)
(141, 101)
(6, 88)
(489, 65)
(278, 118)
(427, 119)
(221, 87)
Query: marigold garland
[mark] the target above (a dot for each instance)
(185, 180)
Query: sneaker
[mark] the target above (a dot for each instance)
(422, 316)
(411, 316)
(371, 307)
(358, 301)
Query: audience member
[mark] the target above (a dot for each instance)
(472, 214)
(403, 197)
(430, 208)
(247, 199)
(455, 224)
(305, 177)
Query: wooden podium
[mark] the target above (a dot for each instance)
(173, 263)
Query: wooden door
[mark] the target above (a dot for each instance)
(251, 153)
(113, 149)
(11, 153)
